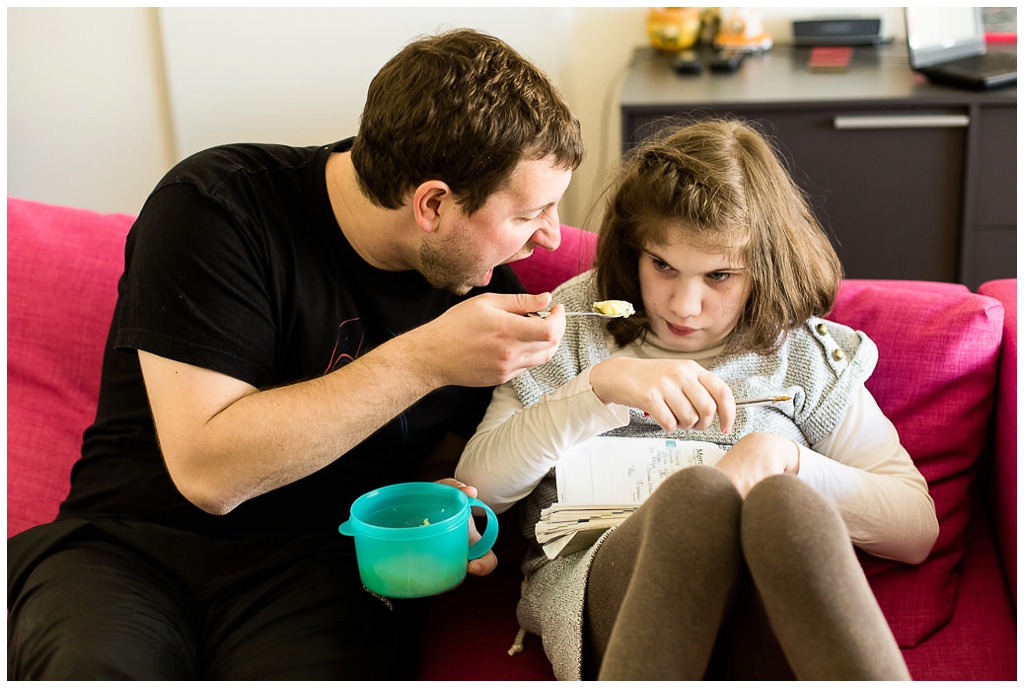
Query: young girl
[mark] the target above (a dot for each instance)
(743, 569)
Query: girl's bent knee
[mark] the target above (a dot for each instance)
(783, 507)
(781, 488)
(692, 495)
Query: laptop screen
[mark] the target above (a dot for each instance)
(941, 34)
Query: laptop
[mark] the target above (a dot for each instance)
(947, 45)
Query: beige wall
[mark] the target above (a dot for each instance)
(86, 107)
(102, 101)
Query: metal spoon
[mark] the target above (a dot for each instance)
(544, 314)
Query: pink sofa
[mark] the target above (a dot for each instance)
(947, 378)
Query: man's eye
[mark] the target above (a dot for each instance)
(544, 213)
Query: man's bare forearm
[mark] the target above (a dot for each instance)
(261, 440)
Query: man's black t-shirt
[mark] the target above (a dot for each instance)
(237, 264)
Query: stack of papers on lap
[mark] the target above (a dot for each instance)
(603, 480)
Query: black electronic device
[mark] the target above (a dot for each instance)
(853, 31)
(687, 62)
(727, 60)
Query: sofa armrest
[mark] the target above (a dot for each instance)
(1003, 502)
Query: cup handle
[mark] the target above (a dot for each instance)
(490, 534)
(346, 528)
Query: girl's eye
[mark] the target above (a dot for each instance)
(719, 276)
(659, 264)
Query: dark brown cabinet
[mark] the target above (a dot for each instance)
(911, 180)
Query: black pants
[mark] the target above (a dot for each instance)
(137, 601)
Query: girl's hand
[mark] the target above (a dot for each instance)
(678, 395)
(757, 456)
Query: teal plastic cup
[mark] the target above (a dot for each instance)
(412, 539)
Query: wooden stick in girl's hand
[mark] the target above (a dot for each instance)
(760, 401)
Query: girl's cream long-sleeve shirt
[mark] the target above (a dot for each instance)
(860, 465)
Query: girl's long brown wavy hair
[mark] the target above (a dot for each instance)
(723, 183)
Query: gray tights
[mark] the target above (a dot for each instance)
(701, 583)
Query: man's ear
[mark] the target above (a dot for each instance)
(430, 201)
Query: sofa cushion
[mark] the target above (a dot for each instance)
(938, 350)
(1004, 506)
(980, 642)
(62, 270)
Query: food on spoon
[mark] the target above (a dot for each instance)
(621, 309)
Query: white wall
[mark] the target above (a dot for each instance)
(101, 101)
(234, 74)
(86, 107)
